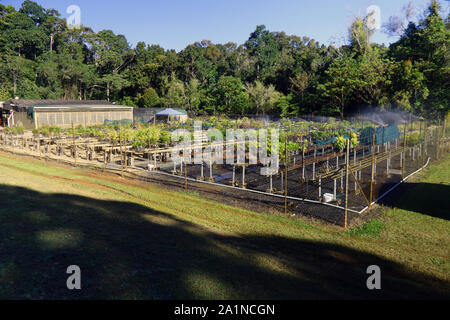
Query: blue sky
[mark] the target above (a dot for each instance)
(174, 24)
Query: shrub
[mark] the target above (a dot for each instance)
(372, 229)
(165, 137)
(413, 139)
(340, 143)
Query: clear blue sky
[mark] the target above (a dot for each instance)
(174, 24)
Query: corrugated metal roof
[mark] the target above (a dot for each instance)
(62, 105)
(39, 103)
(82, 108)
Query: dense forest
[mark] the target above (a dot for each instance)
(271, 73)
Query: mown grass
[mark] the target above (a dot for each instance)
(144, 242)
(371, 228)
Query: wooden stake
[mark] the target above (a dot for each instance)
(121, 152)
(372, 171)
(347, 164)
(74, 146)
(404, 153)
(185, 177)
(286, 175)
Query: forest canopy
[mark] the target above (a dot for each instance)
(271, 73)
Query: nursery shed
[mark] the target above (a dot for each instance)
(31, 114)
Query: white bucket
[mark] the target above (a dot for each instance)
(328, 197)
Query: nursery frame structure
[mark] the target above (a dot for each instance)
(319, 181)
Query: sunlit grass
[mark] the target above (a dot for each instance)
(412, 238)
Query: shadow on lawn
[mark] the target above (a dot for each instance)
(128, 251)
(425, 198)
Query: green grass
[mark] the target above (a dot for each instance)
(137, 241)
(371, 228)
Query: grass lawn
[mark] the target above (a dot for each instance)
(137, 241)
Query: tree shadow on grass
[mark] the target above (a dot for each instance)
(128, 251)
(425, 198)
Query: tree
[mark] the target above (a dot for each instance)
(149, 99)
(176, 94)
(230, 96)
(41, 58)
(111, 55)
(263, 47)
(4, 94)
(423, 47)
(193, 95)
(339, 86)
(263, 98)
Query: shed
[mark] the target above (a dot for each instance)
(169, 113)
(32, 114)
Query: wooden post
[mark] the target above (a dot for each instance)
(202, 176)
(185, 177)
(234, 175)
(211, 179)
(39, 138)
(286, 174)
(404, 153)
(372, 171)
(74, 145)
(334, 189)
(303, 162)
(347, 164)
(314, 172)
(121, 152)
(320, 188)
(436, 147)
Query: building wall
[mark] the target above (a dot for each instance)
(21, 119)
(83, 118)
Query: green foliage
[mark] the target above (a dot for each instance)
(4, 95)
(413, 139)
(340, 143)
(149, 99)
(15, 130)
(353, 140)
(165, 137)
(272, 72)
(370, 229)
(128, 101)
